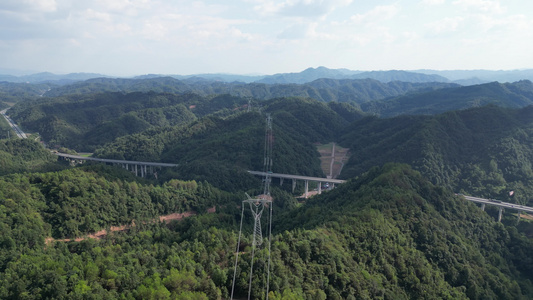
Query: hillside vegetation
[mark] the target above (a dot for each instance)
(394, 230)
(323, 89)
(483, 151)
(514, 95)
(390, 234)
(18, 155)
(218, 150)
(84, 122)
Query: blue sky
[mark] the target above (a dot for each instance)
(133, 37)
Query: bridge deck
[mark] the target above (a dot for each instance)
(298, 177)
(498, 203)
(117, 161)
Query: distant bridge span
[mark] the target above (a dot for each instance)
(498, 203)
(134, 166)
(306, 179)
(142, 168)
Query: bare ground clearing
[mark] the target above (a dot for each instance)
(100, 234)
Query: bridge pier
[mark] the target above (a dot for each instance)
(483, 206)
(281, 182)
(293, 185)
(500, 214)
(306, 188)
(319, 187)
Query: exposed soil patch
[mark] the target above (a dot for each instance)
(332, 158)
(526, 216)
(100, 234)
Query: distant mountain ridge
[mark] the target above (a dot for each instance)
(50, 77)
(311, 74)
(324, 89)
(463, 77)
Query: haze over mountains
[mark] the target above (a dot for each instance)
(463, 77)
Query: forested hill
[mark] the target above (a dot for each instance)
(214, 149)
(372, 96)
(485, 151)
(14, 92)
(340, 90)
(83, 122)
(516, 95)
(24, 155)
(406, 239)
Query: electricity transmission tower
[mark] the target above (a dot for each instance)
(257, 206)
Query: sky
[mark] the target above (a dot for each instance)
(135, 37)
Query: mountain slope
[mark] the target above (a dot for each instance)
(84, 122)
(389, 234)
(220, 150)
(394, 235)
(398, 75)
(515, 95)
(484, 151)
(323, 89)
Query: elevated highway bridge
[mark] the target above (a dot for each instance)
(138, 167)
(306, 179)
(500, 204)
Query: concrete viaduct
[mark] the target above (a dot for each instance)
(501, 205)
(306, 179)
(142, 167)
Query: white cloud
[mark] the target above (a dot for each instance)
(43, 5)
(433, 2)
(29, 5)
(377, 14)
(485, 6)
(180, 36)
(93, 15)
(295, 31)
(300, 8)
(445, 25)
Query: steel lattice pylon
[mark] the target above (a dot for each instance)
(257, 208)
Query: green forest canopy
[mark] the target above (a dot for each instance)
(392, 232)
